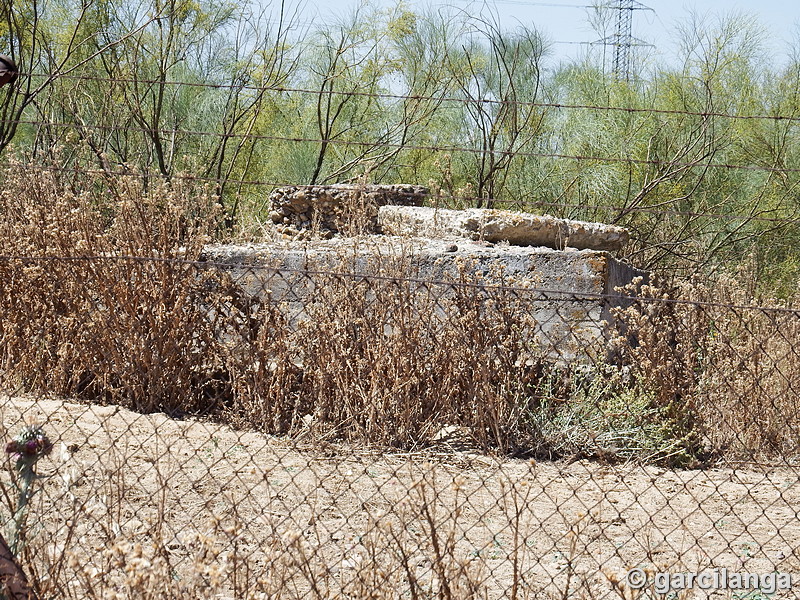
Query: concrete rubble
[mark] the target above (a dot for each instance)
(490, 225)
(323, 211)
(299, 211)
(571, 295)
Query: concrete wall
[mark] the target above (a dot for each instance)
(569, 293)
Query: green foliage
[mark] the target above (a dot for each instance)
(610, 416)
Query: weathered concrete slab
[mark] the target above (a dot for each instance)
(569, 294)
(330, 209)
(523, 229)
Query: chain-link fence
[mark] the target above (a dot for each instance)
(275, 433)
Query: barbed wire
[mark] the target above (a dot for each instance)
(434, 196)
(649, 209)
(404, 146)
(416, 97)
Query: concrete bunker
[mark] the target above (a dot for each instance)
(563, 272)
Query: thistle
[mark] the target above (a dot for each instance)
(28, 447)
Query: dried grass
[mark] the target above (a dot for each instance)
(728, 372)
(417, 549)
(108, 299)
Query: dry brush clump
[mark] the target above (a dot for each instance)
(79, 316)
(391, 360)
(402, 362)
(105, 298)
(421, 547)
(97, 535)
(728, 372)
(421, 361)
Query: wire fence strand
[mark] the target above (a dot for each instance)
(448, 199)
(420, 98)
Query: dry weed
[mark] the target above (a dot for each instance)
(106, 298)
(727, 372)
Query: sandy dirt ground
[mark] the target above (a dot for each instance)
(565, 529)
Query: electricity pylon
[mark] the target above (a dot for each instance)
(622, 39)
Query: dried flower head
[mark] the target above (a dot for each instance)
(30, 444)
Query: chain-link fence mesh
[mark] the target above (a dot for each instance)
(267, 432)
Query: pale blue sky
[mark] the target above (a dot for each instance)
(565, 20)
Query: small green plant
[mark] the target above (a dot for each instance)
(28, 447)
(606, 414)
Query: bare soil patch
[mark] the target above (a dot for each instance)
(163, 483)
